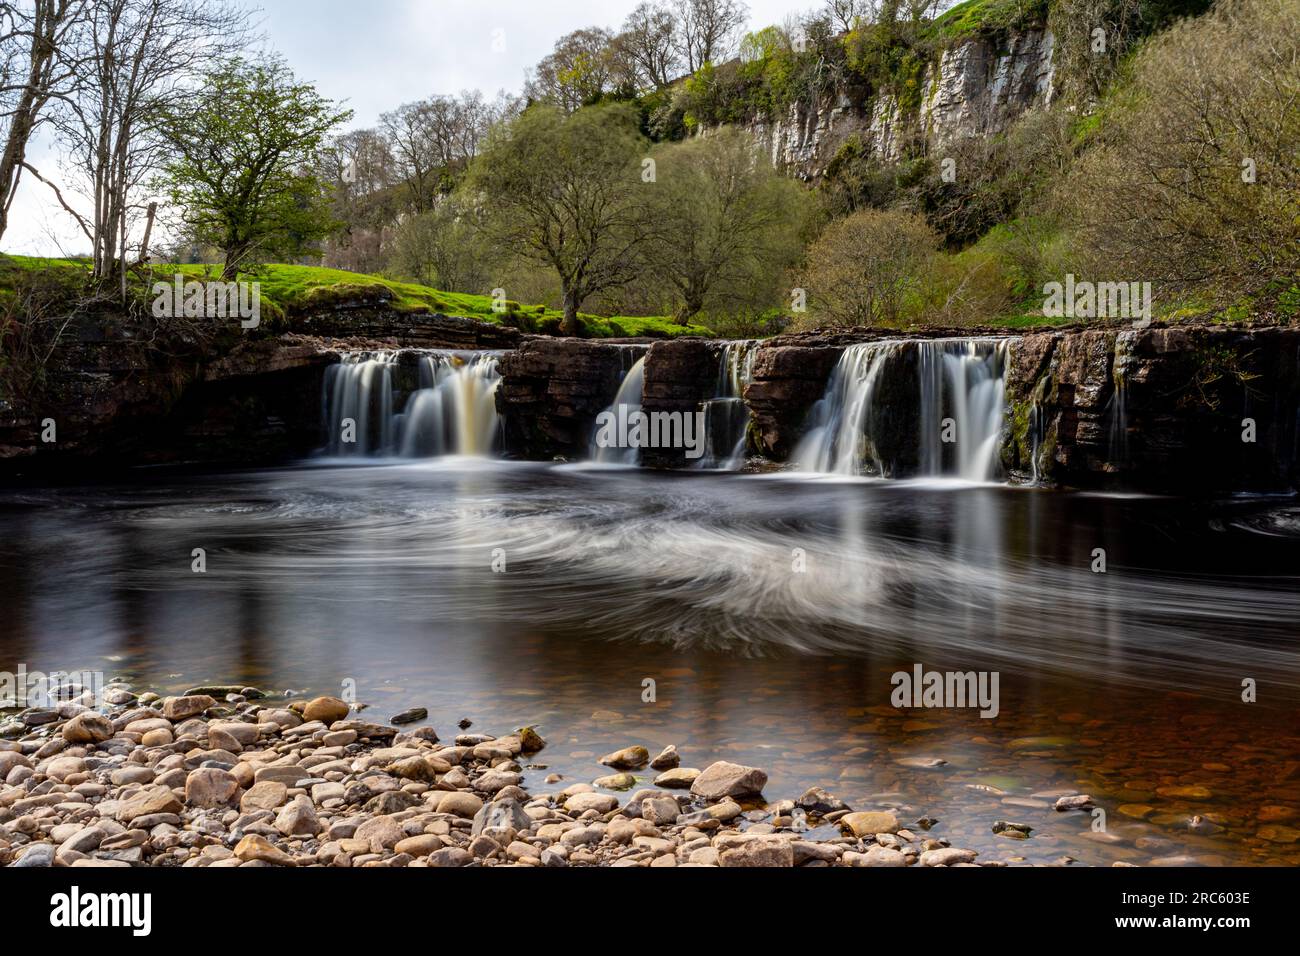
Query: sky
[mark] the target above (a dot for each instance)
(375, 55)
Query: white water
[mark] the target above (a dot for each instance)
(630, 395)
(962, 380)
(837, 429)
(452, 412)
(726, 416)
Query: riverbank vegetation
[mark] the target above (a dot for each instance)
(638, 172)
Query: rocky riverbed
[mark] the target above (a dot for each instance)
(231, 777)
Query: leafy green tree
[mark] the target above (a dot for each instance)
(246, 149)
(568, 192)
(732, 224)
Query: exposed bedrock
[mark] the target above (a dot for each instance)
(679, 376)
(1161, 409)
(1187, 409)
(552, 391)
(120, 392)
(375, 321)
(788, 381)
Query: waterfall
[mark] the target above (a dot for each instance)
(837, 429)
(726, 417)
(971, 375)
(911, 407)
(447, 401)
(630, 395)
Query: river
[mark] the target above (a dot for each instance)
(754, 618)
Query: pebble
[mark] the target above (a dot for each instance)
(668, 759)
(294, 784)
(679, 778)
(409, 716)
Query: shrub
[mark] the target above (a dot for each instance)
(1195, 181)
(870, 268)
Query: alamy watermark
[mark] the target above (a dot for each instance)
(1083, 299)
(209, 300)
(954, 689)
(626, 426)
(23, 688)
(76, 910)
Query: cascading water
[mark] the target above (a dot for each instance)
(726, 417)
(630, 395)
(837, 432)
(924, 407)
(964, 380)
(449, 410)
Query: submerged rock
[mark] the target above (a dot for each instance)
(629, 758)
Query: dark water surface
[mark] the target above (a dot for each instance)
(769, 611)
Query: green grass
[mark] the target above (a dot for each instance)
(294, 289)
(986, 16)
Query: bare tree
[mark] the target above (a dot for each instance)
(358, 163)
(138, 56)
(648, 44)
(37, 65)
(410, 131)
(708, 29)
(844, 15)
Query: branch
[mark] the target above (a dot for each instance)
(71, 212)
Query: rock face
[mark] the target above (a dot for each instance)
(1162, 409)
(977, 87)
(679, 375)
(375, 320)
(127, 394)
(1192, 408)
(551, 392)
(788, 380)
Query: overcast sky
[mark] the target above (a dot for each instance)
(376, 54)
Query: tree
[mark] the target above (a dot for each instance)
(247, 143)
(360, 172)
(579, 71)
(863, 269)
(136, 58)
(844, 15)
(1194, 181)
(37, 64)
(567, 192)
(648, 44)
(411, 131)
(446, 249)
(708, 29)
(732, 223)
(434, 139)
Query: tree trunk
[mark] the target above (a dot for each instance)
(570, 325)
(692, 303)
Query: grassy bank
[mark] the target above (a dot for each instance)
(292, 289)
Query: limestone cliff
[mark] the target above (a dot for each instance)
(975, 87)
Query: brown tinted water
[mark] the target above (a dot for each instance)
(770, 613)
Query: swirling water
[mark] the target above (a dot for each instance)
(770, 612)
